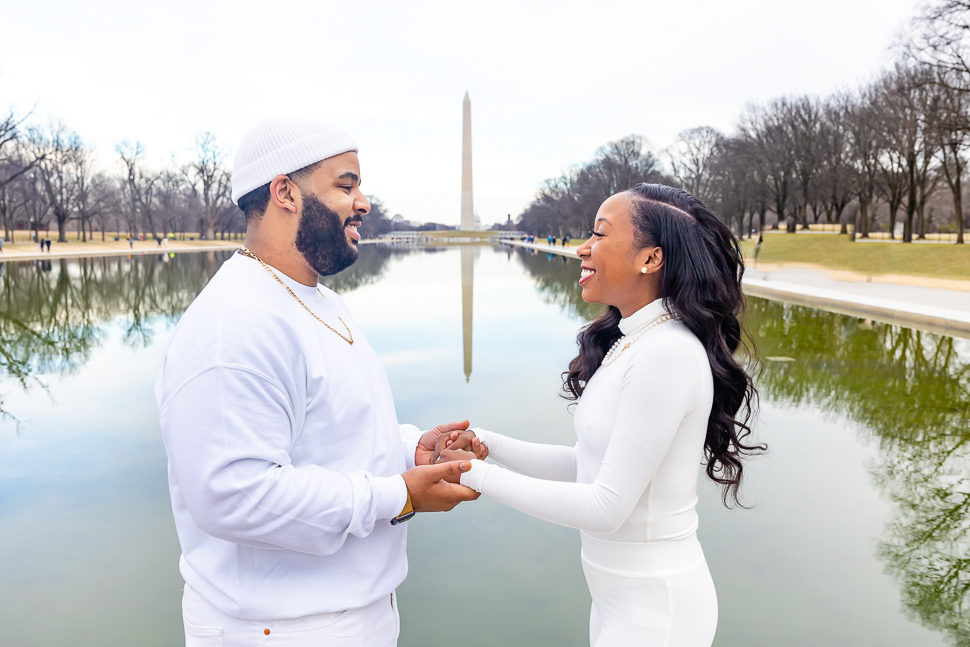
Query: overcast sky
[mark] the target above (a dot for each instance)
(549, 81)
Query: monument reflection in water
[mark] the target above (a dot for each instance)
(905, 391)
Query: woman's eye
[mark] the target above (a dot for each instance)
(595, 233)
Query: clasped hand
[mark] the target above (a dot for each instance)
(443, 453)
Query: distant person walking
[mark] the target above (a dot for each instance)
(565, 240)
(41, 241)
(47, 241)
(2, 238)
(131, 242)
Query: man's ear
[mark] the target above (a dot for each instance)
(284, 193)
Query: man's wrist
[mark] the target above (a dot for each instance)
(408, 507)
(407, 512)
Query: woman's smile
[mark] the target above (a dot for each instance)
(586, 274)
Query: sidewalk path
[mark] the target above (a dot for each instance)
(938, 310)
(30, 251)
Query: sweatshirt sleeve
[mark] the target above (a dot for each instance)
(655, 397)
(552, 462)
(230, 460)
(410, 436)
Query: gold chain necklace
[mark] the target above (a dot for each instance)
(350, 341)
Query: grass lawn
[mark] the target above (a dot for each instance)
(838, 253)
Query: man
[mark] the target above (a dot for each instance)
(287, 465)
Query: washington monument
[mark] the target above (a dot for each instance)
(467, 208)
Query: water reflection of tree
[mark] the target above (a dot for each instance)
(369, 268)
(911, 391)
(53, 314)
(557, 279)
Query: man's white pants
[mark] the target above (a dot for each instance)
(377, 625)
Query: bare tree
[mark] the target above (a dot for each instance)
(804, 119)
(13, 162)
(836, 179)
(768, 138)
(57, 178)
(140, 187)
(952, 129)
(567, 204)
(209, 180)
(87, 189)
(906, 99)
(940, 38)
(692, 157)
(862, 127)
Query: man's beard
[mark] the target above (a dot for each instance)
(322, 238)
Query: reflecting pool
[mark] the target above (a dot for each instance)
(857, 534)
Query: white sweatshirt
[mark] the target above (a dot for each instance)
(284, 451)
(640, 429)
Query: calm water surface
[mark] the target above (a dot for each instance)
(858, 534)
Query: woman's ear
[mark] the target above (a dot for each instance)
(652, 259)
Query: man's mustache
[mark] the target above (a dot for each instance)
(353, 220)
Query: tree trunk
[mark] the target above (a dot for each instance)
(958, 208)
(908, 223)
(61, 227)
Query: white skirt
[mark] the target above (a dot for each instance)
(650, 595)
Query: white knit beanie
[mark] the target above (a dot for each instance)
(282, 145)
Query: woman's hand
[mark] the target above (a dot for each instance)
(426, 452)
(452, 455)
(464, 440)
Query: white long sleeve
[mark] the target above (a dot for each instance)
(285, 452)
(627, 422)
(552, 462)
(238, 481)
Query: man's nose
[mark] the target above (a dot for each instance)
(362, 206)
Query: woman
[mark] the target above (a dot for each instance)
(659, 391)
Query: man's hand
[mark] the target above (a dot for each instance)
(425, 453)
(463, 440)
(435, 488)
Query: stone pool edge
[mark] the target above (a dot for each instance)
(942, 321)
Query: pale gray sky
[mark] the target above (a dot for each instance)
(550, 81)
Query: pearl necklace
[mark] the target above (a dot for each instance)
(614, 354)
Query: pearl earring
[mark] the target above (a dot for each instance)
(643, 270)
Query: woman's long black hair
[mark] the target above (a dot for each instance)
(702, 274)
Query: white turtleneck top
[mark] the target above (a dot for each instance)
(640, 428)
